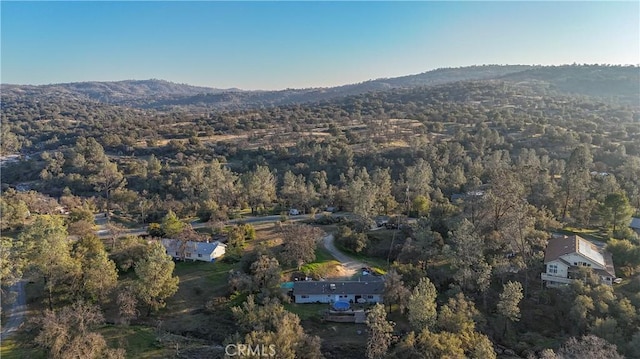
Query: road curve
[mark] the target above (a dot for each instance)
(350, 265)
(15, 313)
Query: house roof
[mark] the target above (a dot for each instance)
(203, 248)
(590, 251)
(358, 288)
(635, 223)
(560, 246)
(608, 259)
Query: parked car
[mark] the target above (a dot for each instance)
(294, 212)
(382, 220)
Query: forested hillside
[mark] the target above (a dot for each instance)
(475, 168)
(613, 83)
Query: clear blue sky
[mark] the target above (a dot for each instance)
(275, 45)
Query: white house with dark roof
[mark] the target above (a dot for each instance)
(331, 292)
(195, 251)
(565, 254)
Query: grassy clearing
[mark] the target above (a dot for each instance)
(327, 228)
(15, 348)
(324, 266)
(139, 342)
(590, 234)
(124, 221)
(306, 311)
(323, 255)
(321, 270)
(199, 282)
(339, 340)
(383, 235)
(237, 214)
(185, 313)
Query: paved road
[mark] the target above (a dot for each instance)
(103, 232)
(15, 313)
(351, 266)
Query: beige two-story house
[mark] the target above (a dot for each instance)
(565, 254)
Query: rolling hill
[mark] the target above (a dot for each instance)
(616, 83)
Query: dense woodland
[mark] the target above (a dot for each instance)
(476, 174)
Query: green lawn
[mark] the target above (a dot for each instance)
(307, 310)
(139, 342)
(323, 266)
(199, 282)
(590, 234)
(15, 348)
(126, 222)
(322, 254)
(319, 269)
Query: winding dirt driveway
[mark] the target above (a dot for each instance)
(15, 313)
(351, 266)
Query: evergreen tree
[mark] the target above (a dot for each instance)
(155, 281)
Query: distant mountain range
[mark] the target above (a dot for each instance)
(116, 91)
(619, 83)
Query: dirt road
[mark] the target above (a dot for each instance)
(15, 312)
(350, 265)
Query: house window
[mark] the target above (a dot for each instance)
(304, 296)
(370, 296)
(177, 253)
(188, 254)
(553, 269)
(199, 255)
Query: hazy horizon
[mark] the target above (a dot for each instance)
(274, 46)
(308, 87)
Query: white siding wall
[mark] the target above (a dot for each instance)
(576, 258)
(562, 269)
(328, 298)
(314, 298)
(192, 257)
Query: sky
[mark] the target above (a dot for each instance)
(277, 45)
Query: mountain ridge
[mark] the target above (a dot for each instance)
(615, 82)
